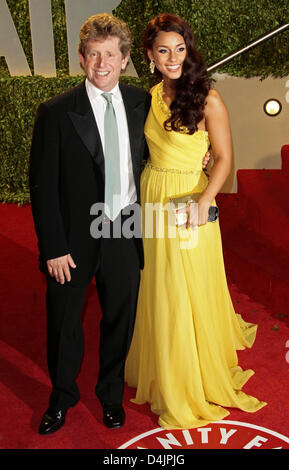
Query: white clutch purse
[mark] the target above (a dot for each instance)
(179, 207)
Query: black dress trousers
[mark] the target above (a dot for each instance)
(117, 279)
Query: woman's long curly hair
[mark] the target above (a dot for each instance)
(192, 88)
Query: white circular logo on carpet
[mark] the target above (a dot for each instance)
(217, 435)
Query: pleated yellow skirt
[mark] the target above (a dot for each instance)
(183, 357)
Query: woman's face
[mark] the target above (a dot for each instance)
(169, 52)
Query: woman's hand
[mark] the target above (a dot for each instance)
(198, 213)
(203, 211)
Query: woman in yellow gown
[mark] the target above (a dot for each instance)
(183, 359)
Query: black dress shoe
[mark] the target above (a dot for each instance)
(51, 421)
(113, 415)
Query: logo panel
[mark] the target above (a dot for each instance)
(218, 435)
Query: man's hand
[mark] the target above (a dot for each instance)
(59, 268)
(206, 159)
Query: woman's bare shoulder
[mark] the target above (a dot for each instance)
(214, 102)
(214, 97)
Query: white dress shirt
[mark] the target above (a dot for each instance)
(98, 104)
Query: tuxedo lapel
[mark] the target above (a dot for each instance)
(134, 114)
(85, 125)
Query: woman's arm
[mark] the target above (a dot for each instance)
(218, 127)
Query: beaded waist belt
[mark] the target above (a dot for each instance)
(174, 170)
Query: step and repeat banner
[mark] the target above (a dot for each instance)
(41, 26)
(38, 60)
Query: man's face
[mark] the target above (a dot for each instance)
(103, 62)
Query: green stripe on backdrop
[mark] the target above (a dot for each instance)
(220, 26)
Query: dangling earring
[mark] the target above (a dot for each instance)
(152, 66)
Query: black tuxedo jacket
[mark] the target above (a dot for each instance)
(67, 174)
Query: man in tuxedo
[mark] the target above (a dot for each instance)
(88, 145)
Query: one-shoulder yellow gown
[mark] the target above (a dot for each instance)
(183, 359)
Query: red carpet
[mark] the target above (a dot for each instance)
(255, 228)
(256, 261)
